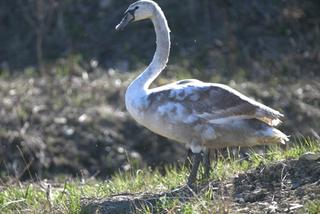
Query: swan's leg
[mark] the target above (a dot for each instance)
(215, 158)
(206, 163)
(188, 161)
(194, 169)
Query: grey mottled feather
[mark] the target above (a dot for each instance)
(214, 101)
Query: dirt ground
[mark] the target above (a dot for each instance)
(283, 187)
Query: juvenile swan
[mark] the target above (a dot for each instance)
(200, 115)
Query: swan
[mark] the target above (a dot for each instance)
(200, 115)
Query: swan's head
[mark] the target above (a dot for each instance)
(143, 9)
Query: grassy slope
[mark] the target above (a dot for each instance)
(64, 197)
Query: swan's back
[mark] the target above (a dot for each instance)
(211, 115)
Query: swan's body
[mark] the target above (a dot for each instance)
(197, 114)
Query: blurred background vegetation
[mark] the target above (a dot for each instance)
(64, 71)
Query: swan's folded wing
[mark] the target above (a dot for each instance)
(216, 102)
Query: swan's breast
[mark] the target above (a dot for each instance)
(136, 101)
(137, 108)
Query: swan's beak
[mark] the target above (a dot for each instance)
(127, 19)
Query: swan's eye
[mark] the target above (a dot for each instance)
(133, 10)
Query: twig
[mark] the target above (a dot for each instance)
(27, 165)
(11, 202)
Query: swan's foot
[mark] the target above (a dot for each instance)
(184, 192)
(195, 165)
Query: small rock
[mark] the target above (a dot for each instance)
(135, 155)
(12, 92)
(37, 109)
(85, 76)
(83, 118)
(126, 167)
(120, 149)
(60, 120)
(68, 131)
(7, 102)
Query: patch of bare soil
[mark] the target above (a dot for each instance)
(283, 187)
(73, 125)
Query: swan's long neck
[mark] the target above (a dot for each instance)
(160, 58)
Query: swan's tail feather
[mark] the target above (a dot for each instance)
(273, 136)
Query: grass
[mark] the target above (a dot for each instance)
(313, 207)
(64, 197)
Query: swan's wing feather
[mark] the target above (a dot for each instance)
(214, 102)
